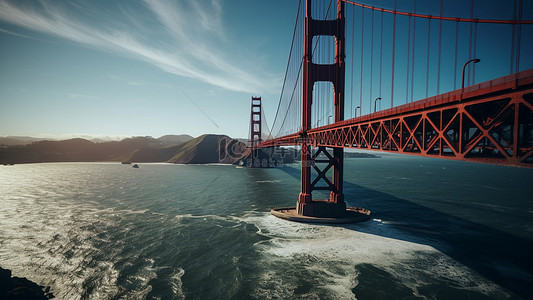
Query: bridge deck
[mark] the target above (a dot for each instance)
(487, 122)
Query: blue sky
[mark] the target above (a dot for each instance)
(122, 68)
(155, 67)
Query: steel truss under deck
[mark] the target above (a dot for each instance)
(491, 122)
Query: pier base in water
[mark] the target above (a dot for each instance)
(351, 215)
(321, 209)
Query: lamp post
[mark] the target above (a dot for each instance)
(329, 118)
(356, 110)
(378, 98)
(474, 60)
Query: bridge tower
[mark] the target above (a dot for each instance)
(312, 73)
(255, 130)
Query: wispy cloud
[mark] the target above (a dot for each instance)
(82, 96)
(14, 33)
(191, 44)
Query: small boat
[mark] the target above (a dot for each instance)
(136, 166)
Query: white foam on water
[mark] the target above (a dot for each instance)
(330, 254)
(177, 283)
(493, 188)
(337, 280)
(272, 286)
(141, 279)
(204, 217)
(55, 245)
(108, 281)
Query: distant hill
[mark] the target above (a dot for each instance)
(207, 148)
(170, 140)
(79, 150)
(19, 140)
(166, 140)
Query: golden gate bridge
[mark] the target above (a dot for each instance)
(375, 55)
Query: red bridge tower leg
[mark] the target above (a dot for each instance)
(334, 73)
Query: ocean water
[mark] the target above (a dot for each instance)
(439, 230)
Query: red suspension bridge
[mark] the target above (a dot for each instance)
(373, 56)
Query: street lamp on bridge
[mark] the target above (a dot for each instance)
(359, 107)
(378, 98)
(474, 60)
(329, 120)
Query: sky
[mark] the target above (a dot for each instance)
(99, 68)
(135, 68)
(402, 59)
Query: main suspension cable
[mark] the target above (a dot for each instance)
(472, 20)
(287, 68)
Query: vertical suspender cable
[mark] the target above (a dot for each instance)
(299, 88)
(519, 36)
(371, 62)
(408, 59)
(353, 50)
(440, 48)
(393, 55)
(299, 79)
(456, 46)
(325, 58)
(427, 62)
(475, 50)
(413, 60)
(330, 93)
(320, 59)
(333, 50)
(381, 54)
(330, 96)
(362, 52)
(318, 87)
(297, 72)
(470, 39)
(296, 82)
(316, 42)
(316, 95)
(511, 64)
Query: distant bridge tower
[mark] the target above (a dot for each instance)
(255, 122)
(334, 73)
(255, 129)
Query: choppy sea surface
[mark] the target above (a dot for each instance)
(439, 230)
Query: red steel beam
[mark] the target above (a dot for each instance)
(491, 122)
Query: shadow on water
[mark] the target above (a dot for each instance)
(503, 258)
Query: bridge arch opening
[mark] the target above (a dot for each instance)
(323, 104)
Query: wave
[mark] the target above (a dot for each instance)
(330, 257)
(177, 283)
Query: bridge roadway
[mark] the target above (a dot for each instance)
(490, 122)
